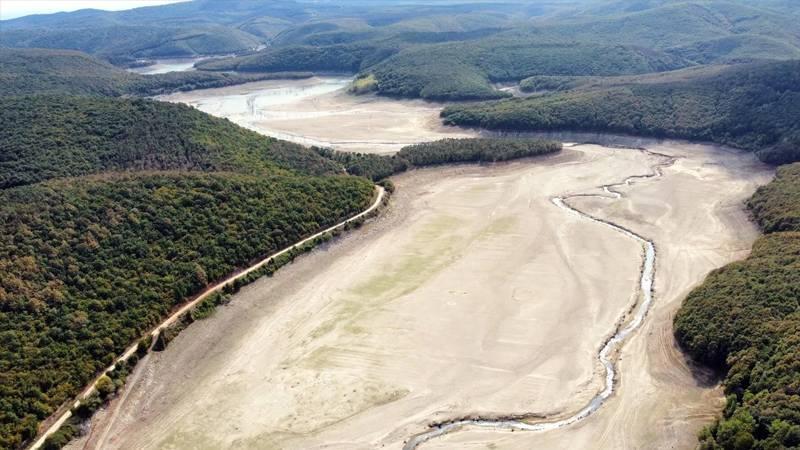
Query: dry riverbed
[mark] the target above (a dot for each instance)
(473, 294)
(319, 111)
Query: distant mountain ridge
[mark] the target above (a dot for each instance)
(52, 71)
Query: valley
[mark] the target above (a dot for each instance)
(473, 296)
(302, 224)
(320, 112)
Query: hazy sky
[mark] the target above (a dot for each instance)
(10, 9)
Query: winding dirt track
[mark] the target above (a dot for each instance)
(57, 420)
(472, 296)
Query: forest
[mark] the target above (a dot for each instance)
(88, 265)
(461, 56)
(444, 151)
(117, 209)
(745, 321)
(466, 71)
(753, 107)
(48, 136)
(445, 51)
(45, 71)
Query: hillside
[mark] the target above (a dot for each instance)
(109, 222)
(460, 58)
(333, 58)
(665, 24)
(465, 71)
(88, 265)
(123, 44)
(44, 71)
(745, 320)
(56, 136)
(453, 71)
(754, 107)
(205, 27)
(447, 51)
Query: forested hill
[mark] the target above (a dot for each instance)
(455, 70)
(88, 265)
(466, 71)
(745, 320)
(460, 58)
(116, 210)
(754, 107)
(50, 136)
(434, 50)
(39, 71)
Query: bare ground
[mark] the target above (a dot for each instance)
(319, 111)
(473, 295)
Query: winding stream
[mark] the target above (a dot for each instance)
(607, 352)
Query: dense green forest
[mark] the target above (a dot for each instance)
(449, 151)
(465, 71)
(453, 71)
(443, 51)
(754, 107)
(459, 57)
(745, 320)
(40, 71)
(776, 206)
(333, 58)
(89, 264)
(91, 257)
(209, 27)
(46, 137)
(124, 44)
(444, 151)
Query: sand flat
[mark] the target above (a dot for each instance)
(319, 111)
(473, 294)
(695, 216)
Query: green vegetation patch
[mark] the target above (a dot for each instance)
(86, 267)
(45, 137)
(449, 151)
(745, 320)
(445, 151)
(754, 107)
(363, 84)
(776, 206)
(43, 71)
(465, 70)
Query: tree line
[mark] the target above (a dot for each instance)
(753, 107)
(744, 320)
(445, 151)
(50, 136)
(86, 266)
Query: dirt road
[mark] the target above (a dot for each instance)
(55, 422)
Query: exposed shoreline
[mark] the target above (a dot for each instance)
(53, 423)
(225, 371)
(320, 112)
(609, 348)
